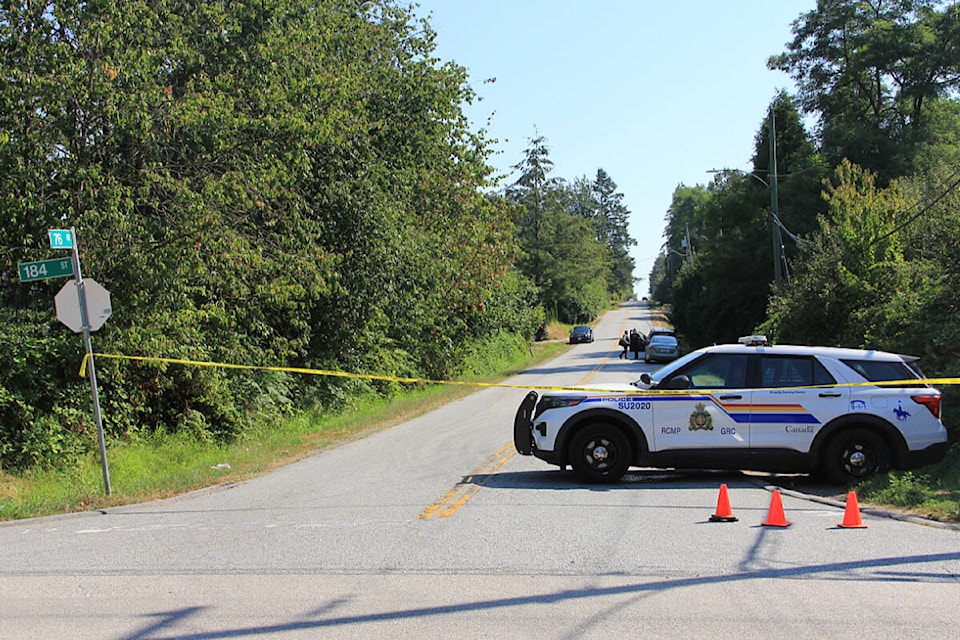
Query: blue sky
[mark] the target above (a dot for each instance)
(655, 93)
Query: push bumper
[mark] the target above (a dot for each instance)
(523, 425)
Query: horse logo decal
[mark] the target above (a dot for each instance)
(901, 414)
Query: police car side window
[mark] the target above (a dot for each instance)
(881, 371)
(718, 371)
(778, 372)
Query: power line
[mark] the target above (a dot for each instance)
(923, 210)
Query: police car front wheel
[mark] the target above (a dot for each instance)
(600, 454)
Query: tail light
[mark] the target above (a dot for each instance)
(930, 402)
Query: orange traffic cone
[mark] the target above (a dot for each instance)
(776, 517)
(724, 513)
(851, 515)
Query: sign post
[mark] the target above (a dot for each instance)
(85, 321)
(55, 268)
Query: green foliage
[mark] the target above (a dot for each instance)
(719, 264)
(873, 71)
(854, 269)
(42, 401)
(285, 184)
(901, 489)
(573, 236)
(612, 219)
(491, 355)
(933, 493)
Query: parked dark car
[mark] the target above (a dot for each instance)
(581, 333)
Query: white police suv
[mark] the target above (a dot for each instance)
(842, 413)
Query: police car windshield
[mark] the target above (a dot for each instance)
(667, 370)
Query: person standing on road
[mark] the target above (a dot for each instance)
(625, 343)
(635, 341)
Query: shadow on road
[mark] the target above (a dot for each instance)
(554, 479)
(898, 569)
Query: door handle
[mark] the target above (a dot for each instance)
(830, 394)
(732, 397)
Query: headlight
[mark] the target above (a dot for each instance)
(556, 402)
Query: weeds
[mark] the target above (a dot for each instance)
(933, 493)
(156, 466)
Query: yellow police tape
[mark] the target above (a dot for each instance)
(315, 372)
(372, 376)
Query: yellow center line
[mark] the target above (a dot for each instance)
(453, 500)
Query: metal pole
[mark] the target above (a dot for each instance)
(774, 202)
(85, 322)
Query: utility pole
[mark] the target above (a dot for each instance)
(774, 202)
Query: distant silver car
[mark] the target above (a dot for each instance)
(661, 348)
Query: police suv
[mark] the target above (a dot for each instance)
(842, 413)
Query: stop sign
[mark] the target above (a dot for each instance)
(68, 305)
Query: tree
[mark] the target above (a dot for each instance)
(612, 225)
(576, 267)
(724, 232)
(573, 237)
(872, 70)
(285, 183)
(682, 213)
(920, 318)
(853, 267)
(534, 191)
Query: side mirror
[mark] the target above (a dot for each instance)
(645, 378)
(675, 383)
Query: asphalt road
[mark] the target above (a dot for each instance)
(436, 528)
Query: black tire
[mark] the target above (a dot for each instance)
(600, 453)
(854, 455)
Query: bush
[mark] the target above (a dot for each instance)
(44, 404)
(493, 354)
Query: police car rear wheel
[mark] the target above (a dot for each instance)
(600, 454)
(855, 455)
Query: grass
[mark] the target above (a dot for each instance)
(158, 467)
(931, 492)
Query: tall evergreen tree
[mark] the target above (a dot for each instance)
(613, 219)
(534, 190)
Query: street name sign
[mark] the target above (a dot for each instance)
(60, 238)
(45, 269)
